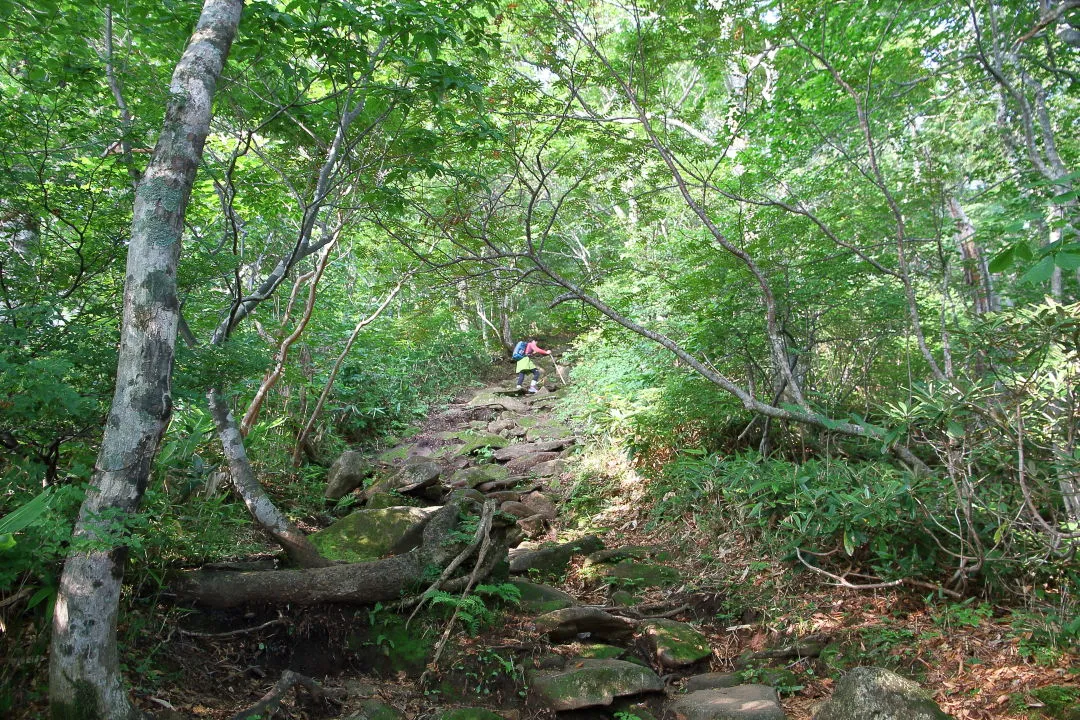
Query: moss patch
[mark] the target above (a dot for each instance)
(366, 534)
(676, 644)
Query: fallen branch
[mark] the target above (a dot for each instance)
(844, 582)
(480, 535)
(228, 633)
(485, 531)
(271, 700)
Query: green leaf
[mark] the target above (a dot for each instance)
(1067, 260)
(1002, 261)
(1040, 273)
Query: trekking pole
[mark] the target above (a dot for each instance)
(558, 370)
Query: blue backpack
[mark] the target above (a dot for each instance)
(519, 351)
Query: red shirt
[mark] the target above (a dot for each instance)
(533, 349)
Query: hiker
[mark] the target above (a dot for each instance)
(523, 353)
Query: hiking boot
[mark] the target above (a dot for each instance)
(517, 388)
(532, 390)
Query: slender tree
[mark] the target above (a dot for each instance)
(85, 680)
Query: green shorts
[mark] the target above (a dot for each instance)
(525, 365)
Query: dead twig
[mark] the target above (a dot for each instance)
(844, 582)
(485, 531)
(481, 534)
(242, 631)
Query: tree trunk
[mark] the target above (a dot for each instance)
(291, 538)
(84, 672)
(976, 270)
(367, 582)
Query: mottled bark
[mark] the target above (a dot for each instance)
(976, 271)
(85, 679)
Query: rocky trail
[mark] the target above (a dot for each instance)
(600, 630)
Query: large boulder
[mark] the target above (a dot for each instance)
(540, 504)
(346, 474)
(587, 683)
(742, 702)
(371, 534)
(675, 644)
(569, 623)
(872, 692)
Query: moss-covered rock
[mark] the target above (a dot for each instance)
(368, 534)
(675, 644)
(394, 455)
(548, 431)
(474, 476)
(474, 441)
(537, 598)
(881, 694)
(599, 651)
(588, 683)
(633, 574)
(382, 500)
(551, 559)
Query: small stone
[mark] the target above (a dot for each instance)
(742, 702)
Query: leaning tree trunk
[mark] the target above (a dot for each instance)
(292, 539)
(84, 672)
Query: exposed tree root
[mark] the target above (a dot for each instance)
(361, 583)
(271, 700)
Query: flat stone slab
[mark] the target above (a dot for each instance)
(527, 448)
(595, 624)
(635, 574)
(742, 702)
(521, 465)
(675, 644)
(588, 683)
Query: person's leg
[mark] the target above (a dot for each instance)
(520, 379)
(536, 376)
